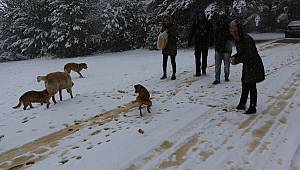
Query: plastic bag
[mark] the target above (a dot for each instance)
(162, 40)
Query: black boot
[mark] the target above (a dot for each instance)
(251, 110)
(241, 107)
(173, 77)
(253, 99)
(216, 82)
(244, 97)
(163, 77)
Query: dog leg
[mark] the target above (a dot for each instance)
(53, 99)
(30, 105)
(141, 110)
(70, 91)
(60, 96)
(148, 109)
(80, 75)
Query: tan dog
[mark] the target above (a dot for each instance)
(56, 82)
(33, 97)
(143, 97)
(75, 67)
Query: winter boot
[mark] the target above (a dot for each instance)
(216, 82)
(163, 77)
(251, 110)
(173, 77)
(241, 107)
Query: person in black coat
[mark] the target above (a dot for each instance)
(171, 46)
(253, 69)
(200, 31)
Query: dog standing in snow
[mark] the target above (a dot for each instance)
(75, 67)
(33, 97)
(56, 82)
(143, 97)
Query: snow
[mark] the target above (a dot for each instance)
(294, 23)
(266, 36)
(239, 5)
(193, 124)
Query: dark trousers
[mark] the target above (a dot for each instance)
(201, 52)
(246, 88)
(165, 63)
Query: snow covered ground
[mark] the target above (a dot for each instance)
(266, 36)
(193, 124)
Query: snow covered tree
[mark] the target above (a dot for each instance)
(118, 25)
(70, 27)
(25, 28)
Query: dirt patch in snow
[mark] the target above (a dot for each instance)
(40, 144)
(179, 154)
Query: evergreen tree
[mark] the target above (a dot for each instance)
(119, 25)
(25, 28)
(70, 27)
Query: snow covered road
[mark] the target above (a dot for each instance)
(193, 124)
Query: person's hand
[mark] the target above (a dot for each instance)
(232, 60)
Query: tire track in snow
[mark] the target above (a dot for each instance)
(50, 140)
(274, 109)
(46, 141)
(170, 143)
(280, 103)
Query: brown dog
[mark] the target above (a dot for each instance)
(56, 82)
(143, 97)
(75, 67)
(33, 97)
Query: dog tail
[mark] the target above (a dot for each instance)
(19, 105)
(39, 78)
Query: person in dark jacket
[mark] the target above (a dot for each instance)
(171, 46)
(223, 48)
(253, 69)
(200, 31)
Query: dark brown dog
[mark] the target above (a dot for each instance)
(143, 97)
(75, 67)
(33, 97)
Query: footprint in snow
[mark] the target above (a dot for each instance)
(90, 147)
(24, 121)
(63, 161)
(75, 147)
(96, 132)
(29, 163)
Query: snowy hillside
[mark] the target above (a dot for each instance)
(193, 124)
